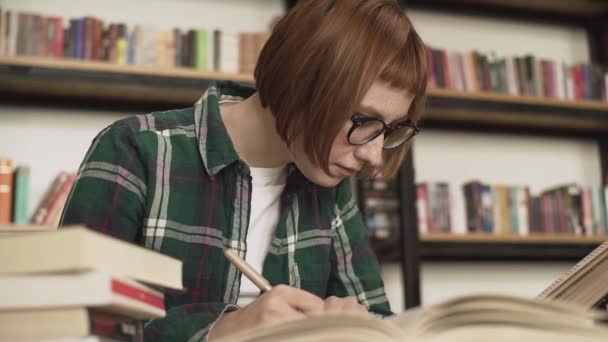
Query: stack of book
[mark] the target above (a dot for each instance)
(80, 285)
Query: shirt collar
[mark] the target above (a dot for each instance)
(215, 145)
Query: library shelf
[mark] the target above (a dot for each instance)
(486, 247)
(68, 78)
(496, 238)
(447, 107)
(75, 79)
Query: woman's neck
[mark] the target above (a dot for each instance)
(252, 130)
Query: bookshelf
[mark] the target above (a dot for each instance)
(485, 247)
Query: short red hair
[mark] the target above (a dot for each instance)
(320, 61)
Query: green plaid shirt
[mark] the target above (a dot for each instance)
(173, 182)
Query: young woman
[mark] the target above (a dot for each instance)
(339, 88)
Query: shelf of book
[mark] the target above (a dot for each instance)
(511, 239)
(480, 247)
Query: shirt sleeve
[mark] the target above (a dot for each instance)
(110, 190)
(355, 270)
(109, 196)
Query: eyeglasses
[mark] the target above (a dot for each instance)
(366, 129)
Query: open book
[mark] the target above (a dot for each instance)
(563, 312)
(472, 318)
(585, 284)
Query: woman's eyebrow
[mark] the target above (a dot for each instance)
(375, 113)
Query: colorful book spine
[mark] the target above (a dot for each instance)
(201, 50)
(597, 204)
(6, 190)
(606, 205)
(422, 205)
(21, 194)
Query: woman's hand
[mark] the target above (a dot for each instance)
(282, 303)
(346, 305)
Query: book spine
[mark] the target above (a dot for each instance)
(446, 208)
(587, 212)
(421, 204)
(177, 41)
(201, 50)
(56, 206)
(6, 190)
(498, 223)
(597, 209)
(523, 197)
(513, 212)
(52, 192)
(21, 194)
(433, 208)
(606, 207)
(487, 205)
(113, 326)
(2, 31)
(59, 37)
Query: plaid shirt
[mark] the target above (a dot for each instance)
(173, 182)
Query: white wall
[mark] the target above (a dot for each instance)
(49, 140)
(504, 37)
(54, 139)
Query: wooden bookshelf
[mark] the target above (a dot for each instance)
(167, 87)
(447, 107)
(488, 96)
(512, 239)
(105, 67)
(486, 247)
(74, 79)
(569, 10)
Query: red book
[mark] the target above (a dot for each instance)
(93, 289)
(56, 204)
(58, 38)
(49, 198)
(6, 190)
(432, 83)
(88, 37)
(577, 80)
(97, 33)
(446, 69)
(63, 324)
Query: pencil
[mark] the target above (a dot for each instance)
(247, 270)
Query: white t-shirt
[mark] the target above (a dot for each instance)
(266, 188)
